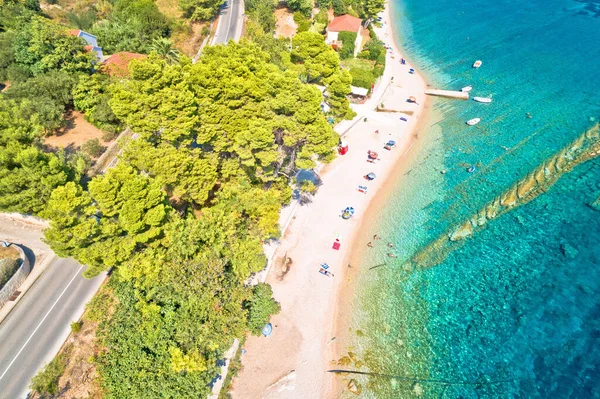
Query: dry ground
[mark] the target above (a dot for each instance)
(9, 252)
(285, 26)
(74, 134)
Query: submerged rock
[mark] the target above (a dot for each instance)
(526, 186)
(540, 175)
(418, 389)
(596, 204)
(568, 251)
(463, 231)
(509, 199)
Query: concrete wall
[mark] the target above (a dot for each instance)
(29, 219)
(17, 279)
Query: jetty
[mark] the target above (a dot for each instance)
(461, 95)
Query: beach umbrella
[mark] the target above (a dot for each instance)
(372, 155)
(267, 330)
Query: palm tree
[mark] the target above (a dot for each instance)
(164, 47)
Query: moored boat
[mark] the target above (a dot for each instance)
(473, 122)
(477, 64)
(483, 99)
(466, 89)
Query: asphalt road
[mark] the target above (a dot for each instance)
(38, 325)
(230, 23)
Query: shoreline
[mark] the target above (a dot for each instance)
(346, 293)
(293, 362)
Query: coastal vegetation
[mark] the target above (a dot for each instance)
(183, 215)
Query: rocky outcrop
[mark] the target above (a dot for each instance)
(584, 148)
(596, 204)
(462, 232)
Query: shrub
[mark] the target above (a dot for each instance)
(303, 6)
(109, 135)
(348, 39)
(321, 17)
(302, 21)
(308, 187)
(339, 7)
(318, 28)
(76, 326)
(100, 306)
(362, 77)
(45, 382)
(260, 307)
(8, 267)
(93, 148)
(374, 49)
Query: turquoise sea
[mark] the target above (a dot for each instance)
(513, 311)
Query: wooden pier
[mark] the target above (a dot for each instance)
(460, 95)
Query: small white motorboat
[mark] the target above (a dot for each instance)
(477, 64)
(483, 99)
(466, 89)
(473, 122)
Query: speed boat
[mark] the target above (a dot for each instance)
(477, 64)
(466, 89)
(473, 122)
(483, 99)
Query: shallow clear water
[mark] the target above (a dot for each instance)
(515, 310)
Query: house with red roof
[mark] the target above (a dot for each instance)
(118, 63)
(344, 23)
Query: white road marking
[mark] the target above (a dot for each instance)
(41, 322)
(230, 16)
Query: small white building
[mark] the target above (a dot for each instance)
(359, 91)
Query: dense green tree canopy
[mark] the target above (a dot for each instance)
(42, 45)
(131, 26)
(27, 175)
(234, 104)
(320, 63)
(122, 212)
(200, 10)
(260, 307)
(91, 96)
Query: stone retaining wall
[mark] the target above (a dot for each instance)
(17, 279)
(28, 219)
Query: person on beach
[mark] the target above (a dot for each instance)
(391, 255)
(369, 244)
(390, 245)
(376, 237)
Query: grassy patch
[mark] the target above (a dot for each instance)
(357, 63)
(169, 7)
